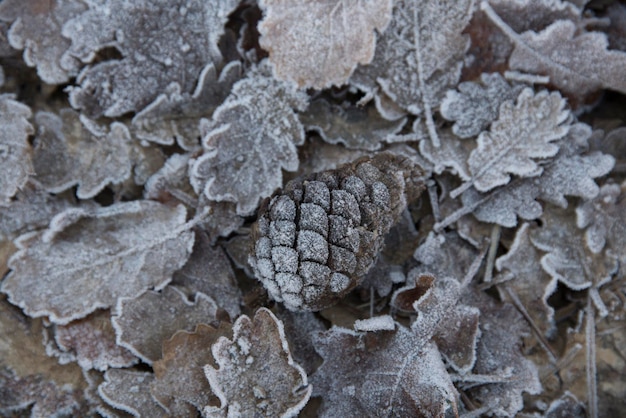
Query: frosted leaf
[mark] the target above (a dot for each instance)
(15, 151)
(248, 365)
(171, 181)
(30, 209)
(87, 259)
(602, 218)
(179, 40)
(532, 285)
(523, 132)
(179, 375)
(384, 373)
(451, 154)
(566, 406)
(129, 390)
(354, 127)
(319, 44)
(36, 29)
(174, 116)
(208, 271)
(419, 57)
(499, 354)
(616, 12)
(68, 152)
(222, 219)
(577, 63)
(474, 106)
(91, 343)
(168, 311)
(436, 251)
(568, 259)
(252, 136)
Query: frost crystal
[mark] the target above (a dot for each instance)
(87, 259)
(318, 44)
(252, 135)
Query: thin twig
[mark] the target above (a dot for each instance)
(491, 255)
(590, 357)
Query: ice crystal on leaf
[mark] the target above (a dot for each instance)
(15, 151)
(36, 28)
(161, 42)
(245, 380)
(66, 150)
(129, 391)
(251, 137)
(324, 48)
(87, 259)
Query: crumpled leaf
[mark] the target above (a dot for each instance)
(354, 127)
(532, 285)
(419, 57)
(87, 259)
(174, 42)
(384, 373)
(209, 271)
(174, 116)
(523, 132)
(36, 29)
(499, 355)
(524, 15)
(69, 152)
(91, 343)
(167, 311)
(319, 44)
(179, 375)
(568, 259)
(252, 135)
(245, 381)
(578, 63)
(129, 390)
(15, 151)
(474, 106)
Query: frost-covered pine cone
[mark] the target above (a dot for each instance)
(314, 241)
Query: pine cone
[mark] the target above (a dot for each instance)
(317, 238)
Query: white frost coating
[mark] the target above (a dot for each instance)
(377, 323)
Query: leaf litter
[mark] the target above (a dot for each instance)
(150, 148)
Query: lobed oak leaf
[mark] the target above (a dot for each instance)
(419, 57)
(522, 133)
(208, 271)
(174, 116)
(36, 28)
(15, 151)
(474, 106)
(179, 374)
(578, 63)
(252, 136)
(354, 127)
(568, 259)
(89, 258)
(246, 382)
(383, 373)
(129, 391)
(168, 311)
(69, 150)
(172, 43)
(319, 44)
(91, 343)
